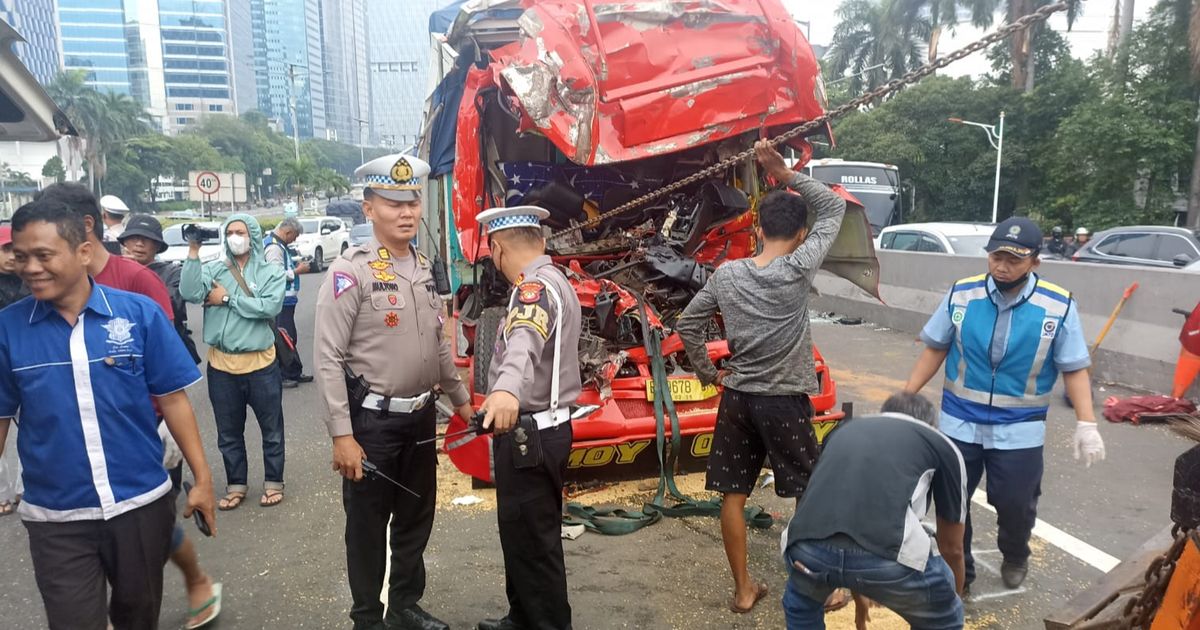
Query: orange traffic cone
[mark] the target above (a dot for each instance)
(1185, 372)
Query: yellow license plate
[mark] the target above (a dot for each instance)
(685, 389)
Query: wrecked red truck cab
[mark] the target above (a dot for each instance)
(581, 106)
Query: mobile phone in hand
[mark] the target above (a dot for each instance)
(197, 516)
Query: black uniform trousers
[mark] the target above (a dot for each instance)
(389, 441)
(529, 509)
(74, 563)
(1014, 483)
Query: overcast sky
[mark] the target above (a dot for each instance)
(1089, 33)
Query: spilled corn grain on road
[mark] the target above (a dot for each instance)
(284, 567)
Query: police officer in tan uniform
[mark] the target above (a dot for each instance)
(380, 351)
(533, 379)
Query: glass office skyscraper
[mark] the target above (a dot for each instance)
(398, 38)
(34, 20)
(288, 63)
(347, 86)
(172, 56)
(239, 19)
(93, 40)
(195, 61)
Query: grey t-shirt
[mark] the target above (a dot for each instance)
(873, 484)
(766, 310)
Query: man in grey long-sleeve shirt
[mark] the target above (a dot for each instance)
(765, 409)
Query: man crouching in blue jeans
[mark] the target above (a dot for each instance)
(858, 525)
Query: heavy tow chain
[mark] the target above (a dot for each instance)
(1139, 611)
(884, 90)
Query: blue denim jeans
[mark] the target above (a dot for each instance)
(926, 600)
(262, 391)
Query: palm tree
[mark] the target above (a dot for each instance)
(943, 15)
(69, 92)
(331, 182)
(104, 120)
(877, 40)
(298, 174)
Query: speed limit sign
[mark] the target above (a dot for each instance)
(208, 183)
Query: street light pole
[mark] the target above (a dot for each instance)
(362, 143)
(292, 106)
(996, 139)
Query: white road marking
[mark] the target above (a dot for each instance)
(997, 595)
(1086, 553)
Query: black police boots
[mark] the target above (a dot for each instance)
(498, 624)
(1013, 573)
(415, 618)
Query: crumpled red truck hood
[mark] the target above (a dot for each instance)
(618, 81)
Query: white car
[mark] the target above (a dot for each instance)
(961, 239)
(177, 247)
(323, 240)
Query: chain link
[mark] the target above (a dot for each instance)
(1140, 609)
(884, 90)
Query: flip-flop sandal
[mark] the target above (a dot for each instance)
(213, 604)
(231, 501)
(7, 507)
(840, 603)
(266, 500)
(762, 592)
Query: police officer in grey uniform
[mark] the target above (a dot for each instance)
(533, 379)
(380, 351)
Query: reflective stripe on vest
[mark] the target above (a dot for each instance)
(1017, 389)
(291, 292)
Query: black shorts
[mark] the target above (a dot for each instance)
(753, 426)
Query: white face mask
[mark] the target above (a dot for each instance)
(238, 244)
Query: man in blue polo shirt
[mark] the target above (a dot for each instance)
(80, 363)
(1005, 336)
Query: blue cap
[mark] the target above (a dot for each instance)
(1018, 236)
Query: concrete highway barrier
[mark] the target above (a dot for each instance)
(1139, 351)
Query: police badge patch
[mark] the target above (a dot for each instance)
(342, 282)
(402, 170)
(530, 292)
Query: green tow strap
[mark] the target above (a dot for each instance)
(616, 522)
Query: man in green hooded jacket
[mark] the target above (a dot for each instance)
(241, 293)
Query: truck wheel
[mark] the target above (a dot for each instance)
(485, 342)
(318, 260)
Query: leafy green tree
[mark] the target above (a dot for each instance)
(54, 169)
(876, 41)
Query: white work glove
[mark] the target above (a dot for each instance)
(1088, 442)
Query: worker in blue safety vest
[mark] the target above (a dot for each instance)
(1005, 336)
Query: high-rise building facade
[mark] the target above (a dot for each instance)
(240, 22)
(288, 64)
(347, 85)
(35, 21)
(93, 40)
(195, 61)
(172, 56)
(399, 45)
